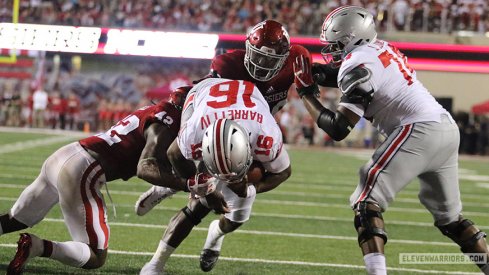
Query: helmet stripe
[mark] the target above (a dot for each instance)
(322, 37)
(335, 11)
(220, 151)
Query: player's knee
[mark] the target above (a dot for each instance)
(191, 215)
(369, 222)
(464, 233)
(10, 224)
(228, 226)
(96, 260)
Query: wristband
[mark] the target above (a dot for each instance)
(251, 192)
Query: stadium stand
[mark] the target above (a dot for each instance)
(106, 96)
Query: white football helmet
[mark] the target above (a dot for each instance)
(344, 29)
(226, 150)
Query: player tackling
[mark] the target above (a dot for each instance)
(73, 175)
(422, 139)
(267, 62)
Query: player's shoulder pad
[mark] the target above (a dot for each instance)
(354, 77)
(227, 61)
(296, 50)
(362, 55)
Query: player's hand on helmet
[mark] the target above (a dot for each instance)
(216, 202)
(201, 184)
(303, 77)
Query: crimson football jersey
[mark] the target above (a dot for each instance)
(124, 142)
(231, 66)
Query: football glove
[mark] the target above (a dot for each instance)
(303, 79)
(202, 184)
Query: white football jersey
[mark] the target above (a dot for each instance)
(241, 101)
(399, 98)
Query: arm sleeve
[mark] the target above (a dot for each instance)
(334, 123)
(325, 75)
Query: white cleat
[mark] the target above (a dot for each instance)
(151, 269)
(149, 199)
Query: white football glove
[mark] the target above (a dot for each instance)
(201, 184)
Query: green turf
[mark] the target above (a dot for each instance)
(302, 227)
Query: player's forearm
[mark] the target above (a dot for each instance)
(150, 171)
(313, 106)
(271, 181)
(325, 74)
(183, 167)
(335, 124)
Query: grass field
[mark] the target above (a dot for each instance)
(302, 227)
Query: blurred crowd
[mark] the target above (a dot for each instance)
(61, 96)
(67, 99)
(301, 17)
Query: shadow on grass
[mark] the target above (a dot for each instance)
(63, 270)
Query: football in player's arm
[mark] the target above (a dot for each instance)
(226, 136)
(267, 62)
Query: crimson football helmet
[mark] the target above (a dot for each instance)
(178, 96)
(267, 48)
(345, 29)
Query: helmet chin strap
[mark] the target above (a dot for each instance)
(229, 178)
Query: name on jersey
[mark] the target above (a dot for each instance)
(206, 120)
(276, 96)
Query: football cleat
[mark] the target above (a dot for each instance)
(208, 259)
(25, 251)
(149, 199)
(150, 269)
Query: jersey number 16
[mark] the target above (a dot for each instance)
(229, 91)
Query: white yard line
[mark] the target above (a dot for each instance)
(293, 183)
(286, 202)
(345, 206)
(29, 144)
(483, 185)
(271, 233)
(342, 196)
(412, 270)
(282, 262)
(62, 136)
(290, 216)
(46, 131)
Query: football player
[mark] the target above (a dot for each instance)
(227, 124)
(422, 139)
(74, 174)
(267, 62)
